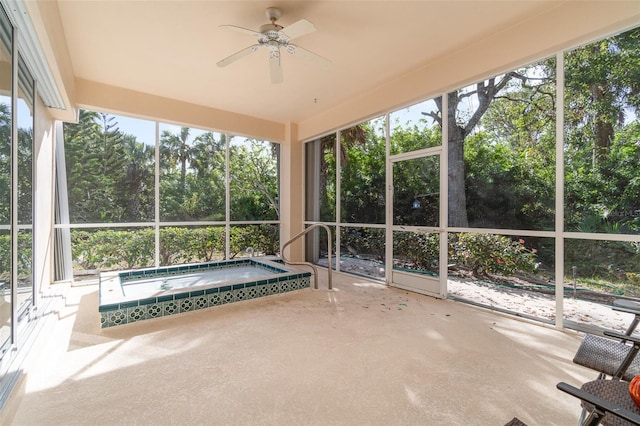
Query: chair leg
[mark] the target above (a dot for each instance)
(632, 326)
(594, 418)
(583, 417)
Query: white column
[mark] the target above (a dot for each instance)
(292, 192)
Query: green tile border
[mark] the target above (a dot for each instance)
(115, 314)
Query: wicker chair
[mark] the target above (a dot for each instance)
(606, 355)
(608, 401)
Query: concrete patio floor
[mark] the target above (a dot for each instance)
(362, 354)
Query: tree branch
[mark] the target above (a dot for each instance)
(436, 117)
(486, 93)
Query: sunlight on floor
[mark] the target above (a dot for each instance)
(362, 354)
(370, 285)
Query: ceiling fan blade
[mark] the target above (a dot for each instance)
(275, 67)
(239, 54)
(298, 29)
(241, 30)
(308, 55)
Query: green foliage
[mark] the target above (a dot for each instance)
(604, 198)
(5, 164)
(482, 253)
(406, 137)
(253, 168)
(96, 159)
(263, 238)
(139, 179)
(113, 249)
(25, 170)
(602, 155)
(24, 256)
(419, 250)
(327, 177)
(418, 177)
(188, 245)
(490, 253)
(507, 188)
(634, 278)
(363, 174)
(192, 176)
(206, 243)
(110, 175)
(362, 241)
(107, 249)
(613, 260)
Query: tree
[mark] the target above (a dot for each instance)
(362, 176)
(207, 154)
(254, 181)
(96, 171)
(602, 103)
(412, 177)
(352, 137)
(603, 84)
(5, 164)
(139, 178)
(195, 189)
(206, 186)
(25, 176)
(176, 148)
(81, 153)
(459, 127)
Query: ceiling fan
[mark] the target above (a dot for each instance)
(274, 37)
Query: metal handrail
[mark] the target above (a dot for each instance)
(315, 270)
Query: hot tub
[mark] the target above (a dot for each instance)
(131, 296)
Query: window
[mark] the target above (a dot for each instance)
(6, 268)
(192, 174)
(501, 156)
(120, 218)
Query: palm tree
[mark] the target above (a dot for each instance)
(139, 168)
(175, 147)
(207, 153)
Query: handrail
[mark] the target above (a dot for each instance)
(315, 270)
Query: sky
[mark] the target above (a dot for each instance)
(412, 115)
(144, 130)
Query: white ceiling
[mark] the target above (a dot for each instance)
(170, 48)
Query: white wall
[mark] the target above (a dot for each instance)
(44, 190)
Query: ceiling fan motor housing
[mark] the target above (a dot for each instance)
(273, 14)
